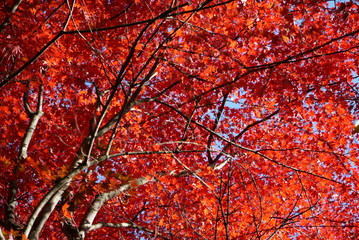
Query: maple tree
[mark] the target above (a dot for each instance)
(176, 119)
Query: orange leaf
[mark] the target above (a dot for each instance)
(65, 210)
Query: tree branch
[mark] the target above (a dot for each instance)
(34, 119)
(216, 121)
(248, 127)
(51, 196)
(96, 205)
(45, 213)
(8, 18)
(10, 221)
(121, 225)
(256, 152)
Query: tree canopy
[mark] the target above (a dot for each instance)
(179, 119)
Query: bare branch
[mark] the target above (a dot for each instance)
(52, 196)
(35, 117)
(10, 217)
(103, 198)
(2, 237)
(45, 213)
(119, 225)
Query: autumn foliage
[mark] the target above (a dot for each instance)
(179, 119)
